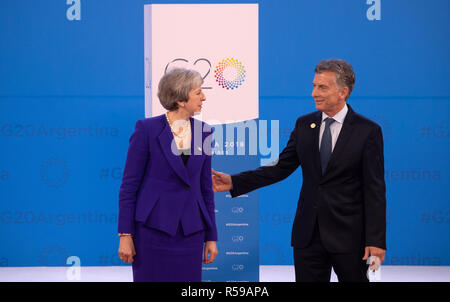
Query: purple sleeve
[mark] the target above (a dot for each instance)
(138, 154)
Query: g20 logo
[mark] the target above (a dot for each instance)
(237, 238)
(237, 267)
(229, 73)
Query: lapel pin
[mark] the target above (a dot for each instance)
(313, 125)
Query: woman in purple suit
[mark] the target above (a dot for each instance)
(166, 202)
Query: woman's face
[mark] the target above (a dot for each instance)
(195, 100)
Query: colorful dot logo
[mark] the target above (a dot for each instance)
(229, 73)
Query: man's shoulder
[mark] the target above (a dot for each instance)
(312, 116)
(356, 118)
(364, 121)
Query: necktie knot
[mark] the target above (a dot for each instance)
(329, 121)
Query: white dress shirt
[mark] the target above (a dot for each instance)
(335, 128)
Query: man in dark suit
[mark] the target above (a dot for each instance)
(341, 212)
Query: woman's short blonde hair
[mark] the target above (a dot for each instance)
(175, 86)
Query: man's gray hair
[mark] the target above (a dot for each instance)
(175, 86)
(345, 76)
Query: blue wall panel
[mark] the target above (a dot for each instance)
(71, 92)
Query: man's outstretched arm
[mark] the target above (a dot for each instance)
(247, 181)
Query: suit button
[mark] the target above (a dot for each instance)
(187, 188)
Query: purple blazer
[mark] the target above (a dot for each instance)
(159, 190)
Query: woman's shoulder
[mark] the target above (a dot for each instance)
(153, 123)
(204, 126)
(154, 119)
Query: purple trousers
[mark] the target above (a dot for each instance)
(163, 258)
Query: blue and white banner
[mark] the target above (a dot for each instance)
(222, 45)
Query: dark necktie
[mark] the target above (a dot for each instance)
(325, 144)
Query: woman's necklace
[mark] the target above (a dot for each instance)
(182, 130)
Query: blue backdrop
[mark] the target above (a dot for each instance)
(72, 90)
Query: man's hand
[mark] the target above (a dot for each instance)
(221, 182)
(374, 251)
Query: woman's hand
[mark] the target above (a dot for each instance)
(210, 252)
(126, 249)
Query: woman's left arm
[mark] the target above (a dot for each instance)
(210, 251)
(208, 196)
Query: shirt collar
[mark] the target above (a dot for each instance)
(339, 117)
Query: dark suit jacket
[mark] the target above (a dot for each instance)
(159, 190)
(348, 200)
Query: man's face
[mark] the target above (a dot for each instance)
(329, 97)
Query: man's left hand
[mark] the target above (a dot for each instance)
(374, 251)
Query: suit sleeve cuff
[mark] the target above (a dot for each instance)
(234, 192)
